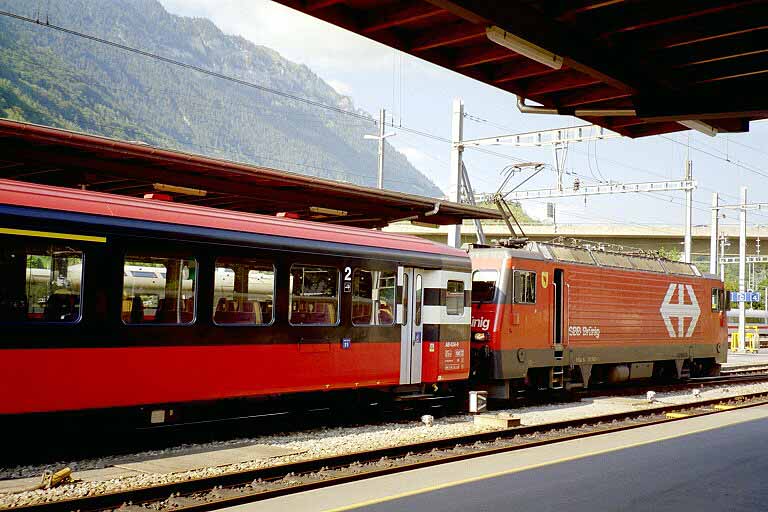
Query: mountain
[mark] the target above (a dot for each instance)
(56, 79)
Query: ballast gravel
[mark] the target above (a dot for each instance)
(327, 442)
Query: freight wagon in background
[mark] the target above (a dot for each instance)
(559, 316)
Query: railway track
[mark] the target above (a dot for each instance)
(747, 376)
(250, 486)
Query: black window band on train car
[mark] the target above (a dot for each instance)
(127, 227)
(244, 292)
(40, 281)
(314, 295)
(524, 287)
(373, 297)
(168, 298)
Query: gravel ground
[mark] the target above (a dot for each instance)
(328, 442)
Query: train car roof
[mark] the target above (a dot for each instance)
(29, 195)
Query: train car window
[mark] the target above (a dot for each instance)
(454, 298)
(484, 285)
(373, 297)
(159, 290)
(524, 287)
(646, 264)
(40, 282)
(244, 292)
(314, 295)
(716, 299)
(404, 301)
(419, 292)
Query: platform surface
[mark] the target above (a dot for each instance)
(738, 359)
(160, 464)
(712, 463)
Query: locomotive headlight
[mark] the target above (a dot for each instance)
(481, 336)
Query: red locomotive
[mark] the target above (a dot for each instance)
(554, 316)
(111, 303)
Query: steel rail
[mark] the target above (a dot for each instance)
(735, 377)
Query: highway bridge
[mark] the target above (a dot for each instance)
(650, 237)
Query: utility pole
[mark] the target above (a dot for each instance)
(456, 169)
(688, 213)
(380, 137)
(742, 264)
(713, 234)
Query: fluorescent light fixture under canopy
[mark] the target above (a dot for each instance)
(523, 47)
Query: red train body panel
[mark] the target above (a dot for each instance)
(74, 379)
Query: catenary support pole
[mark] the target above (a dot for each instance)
(742, 264)
(713, 235)
(382, 119)
(454, 192)
(688, 213)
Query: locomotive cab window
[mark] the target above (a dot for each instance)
(373, 297)
(484, 285)
(159, 290)
(454, 298)
(41, 282)
(314, 295)
(524, 287)
(244, 292)
(718, 299)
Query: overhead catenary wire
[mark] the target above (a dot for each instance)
(208, 72)
(185, 65)
(262, 88)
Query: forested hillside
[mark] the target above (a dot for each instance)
(55, 79)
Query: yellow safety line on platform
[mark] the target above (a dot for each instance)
(677, 415)
(524, 468)
(49, 234)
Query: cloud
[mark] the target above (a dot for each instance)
(297, 36)
(415, 156)
(341, 87)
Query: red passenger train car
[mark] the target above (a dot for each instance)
(116, 303)
(555, 316)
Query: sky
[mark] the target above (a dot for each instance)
(419, 95)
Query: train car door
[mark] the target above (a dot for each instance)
(558, 296)
(410, 320)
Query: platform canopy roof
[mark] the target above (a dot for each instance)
(53, 156)
(641, 66)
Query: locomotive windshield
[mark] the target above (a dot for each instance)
(484, 285)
